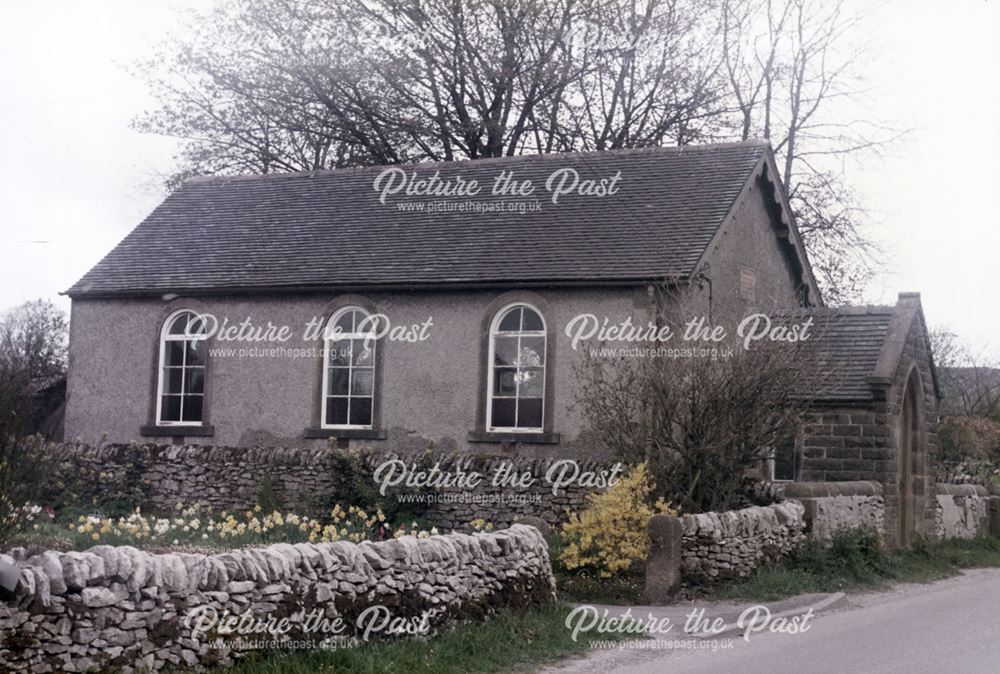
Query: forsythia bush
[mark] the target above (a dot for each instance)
(611, 535)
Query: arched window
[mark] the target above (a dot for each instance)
(516, 379)
(181, 386)
(349, 369)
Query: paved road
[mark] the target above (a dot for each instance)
(952, 626)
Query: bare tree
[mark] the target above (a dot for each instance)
(285, 85)
(650, 78)
(793, 67)
(289, 85)
(704, 424)
(970, 380)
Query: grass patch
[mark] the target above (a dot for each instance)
(856, 560)
(621, 590)
(509, 641)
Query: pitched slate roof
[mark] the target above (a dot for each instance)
(853, 351)
(328, 229)
(846, 343)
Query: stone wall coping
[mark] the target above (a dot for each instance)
(220, 454)
(182, 572)
(944, 489)
(825, 489)
(745, 521)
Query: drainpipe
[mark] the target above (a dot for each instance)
(703, 279)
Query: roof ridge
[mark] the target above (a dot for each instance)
(851, 310)
(537, 157)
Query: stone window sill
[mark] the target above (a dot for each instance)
(177, 431)
(521, 438)
(345, 433)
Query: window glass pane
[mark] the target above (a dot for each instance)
(511, 322)
(194, 380)
(170, 408)
(173, 353)
(504, 350)
(196, 325)
(784, 460)
(531, 382)
(192, 408)
(504, 381)
(337, 381)
(503, 413)
(336, 411)
(363, 351)
(195, 352)
(178, 326)
(362, 381)
(529, 413)
(518, 370)
(340, 351)
(361, 412)
(532, 352)
(345, 322)
(532, 321)
(365, 324)
(172, 379)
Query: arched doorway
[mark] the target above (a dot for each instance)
(909, 458)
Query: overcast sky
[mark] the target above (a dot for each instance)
(74, 179)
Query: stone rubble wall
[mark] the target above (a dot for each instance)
(717, 547)
(119, 607)
(230, 478)
(962, 511)
(837, 506)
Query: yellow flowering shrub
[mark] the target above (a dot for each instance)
(611, 535)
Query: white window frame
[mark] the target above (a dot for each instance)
(165, 337)
(327, 332)
(543, 333)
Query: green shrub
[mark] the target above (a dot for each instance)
(855, 554)
(353, 483)
(24, 464)
(267, 499)
(77, 486)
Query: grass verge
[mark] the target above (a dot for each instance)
(857, 561)
(509, 641)
(620, 590)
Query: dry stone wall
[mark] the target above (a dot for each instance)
(122, 608)
(302, 479)
(716, 547)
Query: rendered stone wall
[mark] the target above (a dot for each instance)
(724, 546)
(302, 479)
(836, 506)
(961, 511)
(119, 607)
(429, 391)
